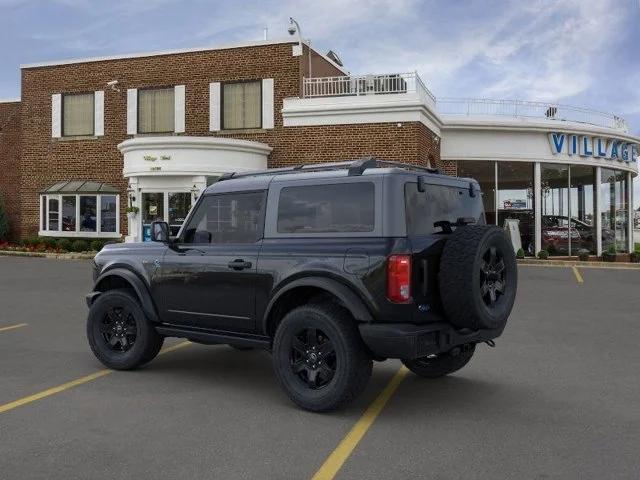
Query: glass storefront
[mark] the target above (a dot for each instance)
(515, 200)
(568, 204)
(614, 210)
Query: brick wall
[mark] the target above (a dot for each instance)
(45, 161)
(9, 163)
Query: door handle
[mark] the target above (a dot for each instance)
(239, 264)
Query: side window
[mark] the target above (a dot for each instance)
(227, 218)
(343, 207)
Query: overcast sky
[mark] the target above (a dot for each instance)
(580, 52)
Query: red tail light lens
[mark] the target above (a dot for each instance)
(399, 278)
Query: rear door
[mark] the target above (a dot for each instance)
(209, 275)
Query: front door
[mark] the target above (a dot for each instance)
(209, 275)
(170, 207)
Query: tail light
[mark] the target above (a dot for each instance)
(399, 278)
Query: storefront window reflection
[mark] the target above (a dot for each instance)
(485, 173)
(582, 205)
(554, 196)
(614, 208)
(515, 200)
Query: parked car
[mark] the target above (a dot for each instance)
(328, 267)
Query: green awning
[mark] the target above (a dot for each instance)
(80, 186)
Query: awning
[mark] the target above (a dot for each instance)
(80, 186)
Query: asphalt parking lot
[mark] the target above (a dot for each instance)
(557, 398)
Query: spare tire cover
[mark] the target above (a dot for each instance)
(478, 277)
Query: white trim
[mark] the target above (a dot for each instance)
(47, 233)
(56, 115)
(268, 103)
(158, 53)
(132, 111)
(98, 113)
(10, 100)
(391, 108)
(179, 108)
(214, 107)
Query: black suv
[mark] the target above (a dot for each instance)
(327, 266)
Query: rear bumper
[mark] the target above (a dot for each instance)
(406, 340)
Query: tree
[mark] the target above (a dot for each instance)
(4, 221)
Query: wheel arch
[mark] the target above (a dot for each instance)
(299, 292)
(123, 278)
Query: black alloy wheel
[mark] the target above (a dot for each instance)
(118, 328)
(492, 278)
(119, 333)
(313, 357)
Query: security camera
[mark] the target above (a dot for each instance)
(112, 85)
(291, 29)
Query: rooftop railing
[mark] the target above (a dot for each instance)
(356, 85)
(411, 83)
(525, 109)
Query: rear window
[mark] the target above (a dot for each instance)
(438, 203)
(343, 207)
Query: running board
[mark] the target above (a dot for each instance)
(212, 337)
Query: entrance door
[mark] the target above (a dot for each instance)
(170, 207)
(209, 275)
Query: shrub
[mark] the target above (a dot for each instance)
(30, 241)
(543, 254)
(79, 246)
(520, 253)
(611, 249)
(97, 245)
(49, 242)
(64, 244)
(4, 221)
(583, 254)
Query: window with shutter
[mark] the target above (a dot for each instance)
(156, 110)
(242, 105)
(78, 114)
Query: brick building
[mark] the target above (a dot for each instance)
(91, 137)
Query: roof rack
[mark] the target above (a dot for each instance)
(354, 167)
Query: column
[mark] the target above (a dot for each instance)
(537, 205)
(598, 212)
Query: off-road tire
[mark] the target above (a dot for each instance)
(147, 342)
(463, 277)
(441, 365)
(352, 362)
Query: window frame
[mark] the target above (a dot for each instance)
(44, 222)
(143, 89)
(273, 204)
(236, 82)
(202, 199)
(93, 116)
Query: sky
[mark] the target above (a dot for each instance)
(576, 52)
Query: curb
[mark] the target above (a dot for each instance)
(577, 263)
(57, 256)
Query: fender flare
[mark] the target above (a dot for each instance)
(138, 285)
(351, 301)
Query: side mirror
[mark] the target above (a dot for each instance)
(160, 232)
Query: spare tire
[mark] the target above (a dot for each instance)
(478, 277)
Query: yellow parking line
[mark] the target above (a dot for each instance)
(74, 383)
(577, 274)
(332, 465)
(11, 327)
